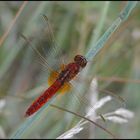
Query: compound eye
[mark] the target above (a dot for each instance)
(81, 60)
(77, 58)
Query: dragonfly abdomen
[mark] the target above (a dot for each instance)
(42, 99)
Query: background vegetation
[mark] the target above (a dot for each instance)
(76, 27)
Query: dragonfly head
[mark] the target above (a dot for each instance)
(81, 60)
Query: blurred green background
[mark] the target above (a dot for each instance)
(76, 27)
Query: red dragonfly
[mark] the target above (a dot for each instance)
(62, 78)
(58, 81)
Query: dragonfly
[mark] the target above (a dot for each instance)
(59, 81)
(62, 78)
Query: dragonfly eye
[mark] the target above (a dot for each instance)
(81, 60)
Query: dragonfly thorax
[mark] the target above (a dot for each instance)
(70, 71)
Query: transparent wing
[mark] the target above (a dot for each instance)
(109, 92)
(83, 100)
(44, 46)
(51, 39)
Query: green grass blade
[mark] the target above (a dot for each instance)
(29, 121)
(100, 43)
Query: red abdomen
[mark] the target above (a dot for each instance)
(42, 99)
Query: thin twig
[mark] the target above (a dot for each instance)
(113, 94)
(2, 39)
(78, 115)
(119, 79)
